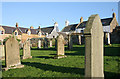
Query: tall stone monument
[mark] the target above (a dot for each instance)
(26, 50)
(12, 54)
(45, 43)
(2, 52)
(70, 42)
(94, 66)
(60, 47)
(50, 42)
(39, 43)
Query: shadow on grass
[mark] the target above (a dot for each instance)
(111, 75)
(46, 57)
(108, 51)
(53, 68)
(50, 49)
(111, 51)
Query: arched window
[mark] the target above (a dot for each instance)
(16, 33)
(1, 32)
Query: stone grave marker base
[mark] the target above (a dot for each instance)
(24, 57)
(59, 56)
(13, 67)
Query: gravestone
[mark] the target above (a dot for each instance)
(39, 43)
(26, 50)
(12, 54)
(70, 42)
(2, 52)
(60, 47)
(56, 43)
(45, 43)
(79, 38)
(94, 66)
(50, 42)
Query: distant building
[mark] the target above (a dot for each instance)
(109, 25)
(21, 33)
(51, 31)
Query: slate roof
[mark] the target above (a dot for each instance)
(48, 29)
(105, 22)
(10, 30)
(69, 28)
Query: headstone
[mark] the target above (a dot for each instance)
(56, 43)
(70, 42)
(94, 66)
(39, 43)
(45, 43)
(12, 54)
(79, 38)
(60, 47)
(2, 52)
(50, 42)
(26, 50)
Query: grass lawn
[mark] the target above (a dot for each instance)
(43, 65)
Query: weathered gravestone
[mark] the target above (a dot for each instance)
(50, 42)
(12, 54)
(55, 43)
(94, 66)
(26, 50)
(70, 42)
(39, 43)
(60, 47)
(45, 43)
(2, 52)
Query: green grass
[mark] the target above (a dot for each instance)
(43, 65)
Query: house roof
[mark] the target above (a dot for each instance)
(64, 34)
(48, 29)
(10, 30)
(105, 22)
(69, 28)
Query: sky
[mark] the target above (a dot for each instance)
(46, 13)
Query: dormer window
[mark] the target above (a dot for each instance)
(1, 32)
(16, 33)
(46, 34)
(82, 31)
(29, 32)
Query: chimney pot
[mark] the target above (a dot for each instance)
(81, 19)
(114, 15)
(31, 27)
(66, 23)
(16, 24)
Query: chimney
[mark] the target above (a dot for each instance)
(16, 24)
(114, 15)
(81, 19)
(39, 27)
(31, 27)
(55, 24)
(66, 23)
